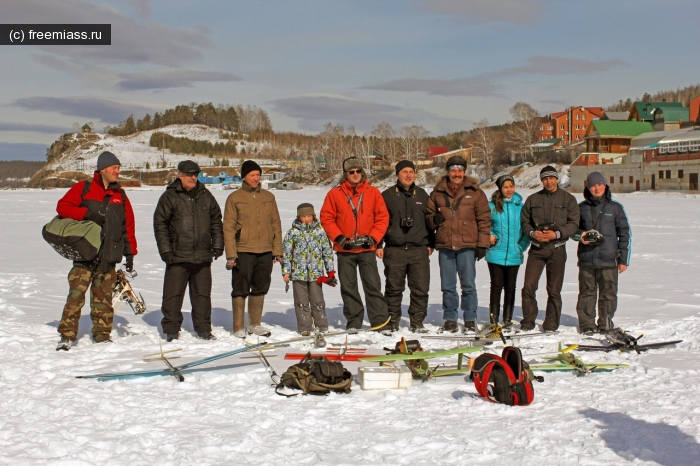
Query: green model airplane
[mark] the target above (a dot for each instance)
(568, 361)
(417, 361)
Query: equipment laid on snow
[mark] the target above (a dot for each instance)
(568, 361)
(625, 347)
(506, 379)
(123, 292)
(486, 339)
(176, 371)
(417, 360)
(384, 377)
(316, 376)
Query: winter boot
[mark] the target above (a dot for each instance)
(507, 317)
(65, 344)
(470, 326)
(255, 311)
(494, 311)
(172, 336)
(238, 305)
(416, 326)
(450, 326)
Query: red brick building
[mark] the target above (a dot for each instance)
(570, 125)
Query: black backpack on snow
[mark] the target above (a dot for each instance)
(316, 376)
(505, 379)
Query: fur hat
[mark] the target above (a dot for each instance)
(249, 166)
(404, 164)
(502, 179)
(352, 162)
(595, 178)
(188, 166)
(107, 159)
(548, 171)
(305, 209)
(456, 160)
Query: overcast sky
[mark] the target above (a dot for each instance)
(443, 64)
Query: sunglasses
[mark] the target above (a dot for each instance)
(456, 168)
(190, 175)
(352, 172)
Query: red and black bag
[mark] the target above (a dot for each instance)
(506, 379)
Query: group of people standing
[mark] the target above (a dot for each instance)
(402, 226)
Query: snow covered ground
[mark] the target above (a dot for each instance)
(647, 414)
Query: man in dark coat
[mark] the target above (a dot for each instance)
(406, 248)
(188, 230)
(104, 202)
(549, 218)
(602, 257)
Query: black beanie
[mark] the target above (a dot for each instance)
(249, 166)
(456, 160)
(107, 159)
(400, 165)
(502, 179)
(548, 171)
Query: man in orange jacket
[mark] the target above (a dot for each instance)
(355, 217)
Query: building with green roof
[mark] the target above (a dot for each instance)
(644, 111)
(611, 136)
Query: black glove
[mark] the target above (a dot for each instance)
(129, 266)
(218, 253)
(480, 253)
(167, 257)
(332, 282)
(368, 242)
(344, 242)
(438, 218)
(95, 217)
(231, 264)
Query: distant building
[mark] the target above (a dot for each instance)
(616, 116)
(644, 111)
(569, 126)
(86, 128)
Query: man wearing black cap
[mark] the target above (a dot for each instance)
(102, 201)
(601, 257)
(253, 240)
(549, 218)
(407, 244)
(187, 227)
(459, 212)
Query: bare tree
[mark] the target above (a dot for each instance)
(412, 140)
(484, 144)
(76, 127)
(523, 131)
(386, 142)
(362, 147)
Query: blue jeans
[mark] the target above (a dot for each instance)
(462, 263)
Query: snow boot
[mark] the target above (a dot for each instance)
(65, 344)
(238, 305)
(507, 317)
(470, 326)
(172, 336)
(255, 311)
(494, 312)
(450, 326)
(206, 336)
(416, 326)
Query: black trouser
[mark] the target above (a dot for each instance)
(554, 259)
(399, 264)
(177, 277)
(600, 285)
(353, 309)
(503, 277)
(252, 275)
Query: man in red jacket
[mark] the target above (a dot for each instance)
(105, 203)
(355, 217)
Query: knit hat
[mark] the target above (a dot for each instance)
(249, 166)
(187, 167)
(595, 178)
(107, 159)
(548, 171)
(404, 164)
(305, 209)
(502, 179)
(456, 160)
(352, 162)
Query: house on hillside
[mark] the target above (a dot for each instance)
(613, 137)
(441, 157)
(644, 111)
(569, 126)
(616, 116)
(86, 128)
(670, 118)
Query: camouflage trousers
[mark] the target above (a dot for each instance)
(101, 311)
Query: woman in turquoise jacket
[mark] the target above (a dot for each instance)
(505, 255)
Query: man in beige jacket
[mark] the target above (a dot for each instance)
(253, 242)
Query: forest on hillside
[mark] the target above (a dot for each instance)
(16, 173)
